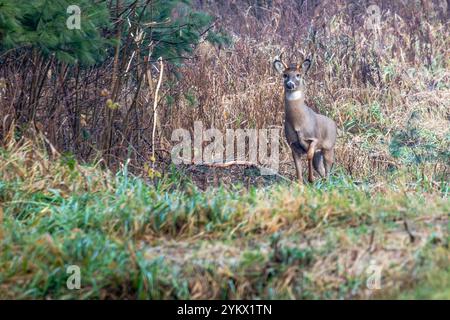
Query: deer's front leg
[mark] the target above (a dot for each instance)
(302, 142)
(309, 146)
(298, 164)
(310, 157)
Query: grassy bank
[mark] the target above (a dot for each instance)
(132, 239)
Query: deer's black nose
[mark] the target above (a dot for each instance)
(290, 85)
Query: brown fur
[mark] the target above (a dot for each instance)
(307, 132)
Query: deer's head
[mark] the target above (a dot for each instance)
(293, 75)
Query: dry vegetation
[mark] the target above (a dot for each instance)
(377, 84)
(374, 83)
(172, 240)
(135, 237)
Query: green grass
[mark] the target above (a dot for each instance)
(169, 240)
(434, 285)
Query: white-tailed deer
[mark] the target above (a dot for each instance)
(306, 131)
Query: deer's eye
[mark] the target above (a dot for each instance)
(285, 76)
(298, 75)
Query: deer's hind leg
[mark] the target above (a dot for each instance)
(318, 163)
(328, 157)
(298, 164)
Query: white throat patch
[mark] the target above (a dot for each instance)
(296, 95)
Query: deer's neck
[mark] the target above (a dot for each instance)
(296, 111)
(295, 97)
(295, 106)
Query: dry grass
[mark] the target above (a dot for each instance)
(386, 202)
(370, 82)
(171, 240)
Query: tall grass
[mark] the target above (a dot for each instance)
(386, 202)
(375, 83)
(172, 240)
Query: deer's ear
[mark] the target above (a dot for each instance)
(306, 65)
(279, 66)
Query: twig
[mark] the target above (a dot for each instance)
(371, 241)
(237, 163)
(411, 236)
(155, 105)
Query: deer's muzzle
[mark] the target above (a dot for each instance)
(290, 85)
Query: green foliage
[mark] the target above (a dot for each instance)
(9, 25)
(415, 145)
(68, 159)
(191, 98)
(42, 25)
(126, 233)
(173, 27)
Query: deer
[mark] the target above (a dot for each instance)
(306, 131)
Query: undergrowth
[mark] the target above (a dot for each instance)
(168, 239)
